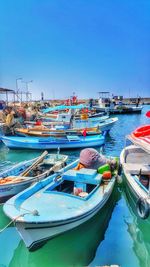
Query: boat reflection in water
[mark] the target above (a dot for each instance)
(4, 220)
(9, 240)
(73, 248)
(139, 231)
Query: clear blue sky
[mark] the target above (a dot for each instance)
(81, 46)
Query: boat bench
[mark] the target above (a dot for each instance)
(73, 138)
(86, 176)
(134, 168)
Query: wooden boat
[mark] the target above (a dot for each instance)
(67, 117)
(103, 125)
(23, 174)
(69, 141)
(58, 124)
(63, 125)
(60, 117)
(59, 203)
(68, 113)
(135, 160)
(45, 132)
(76, 237)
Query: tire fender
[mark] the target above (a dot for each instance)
(142, 208)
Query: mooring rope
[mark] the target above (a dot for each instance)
(9, 204)
(34, 212)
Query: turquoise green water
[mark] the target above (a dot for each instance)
(114, 236)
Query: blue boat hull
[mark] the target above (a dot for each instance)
(49, 143)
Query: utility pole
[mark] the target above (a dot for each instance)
(28, 94)
(17, 90)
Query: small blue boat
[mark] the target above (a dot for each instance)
(70, 141)
(22, 175)
(59, 203)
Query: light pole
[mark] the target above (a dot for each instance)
(17, 88)
(27, 89)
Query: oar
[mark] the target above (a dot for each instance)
(26, 172)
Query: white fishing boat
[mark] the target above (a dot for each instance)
(135, 160)
(115, 105)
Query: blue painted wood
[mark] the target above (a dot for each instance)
(52, 142)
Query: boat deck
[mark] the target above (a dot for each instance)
(138, 158)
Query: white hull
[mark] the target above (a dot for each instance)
(135, 188)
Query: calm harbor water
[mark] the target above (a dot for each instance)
(115, 236)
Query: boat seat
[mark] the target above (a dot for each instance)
(88, 176)
(134, 168)
(138, 157)
(73, 138)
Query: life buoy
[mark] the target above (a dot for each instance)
(142, 131)
(142, 208)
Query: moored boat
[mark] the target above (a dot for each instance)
(23, 174)
(104, 125)
(69, 141)
(135, 160)
(45, 132)
(53, 206)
